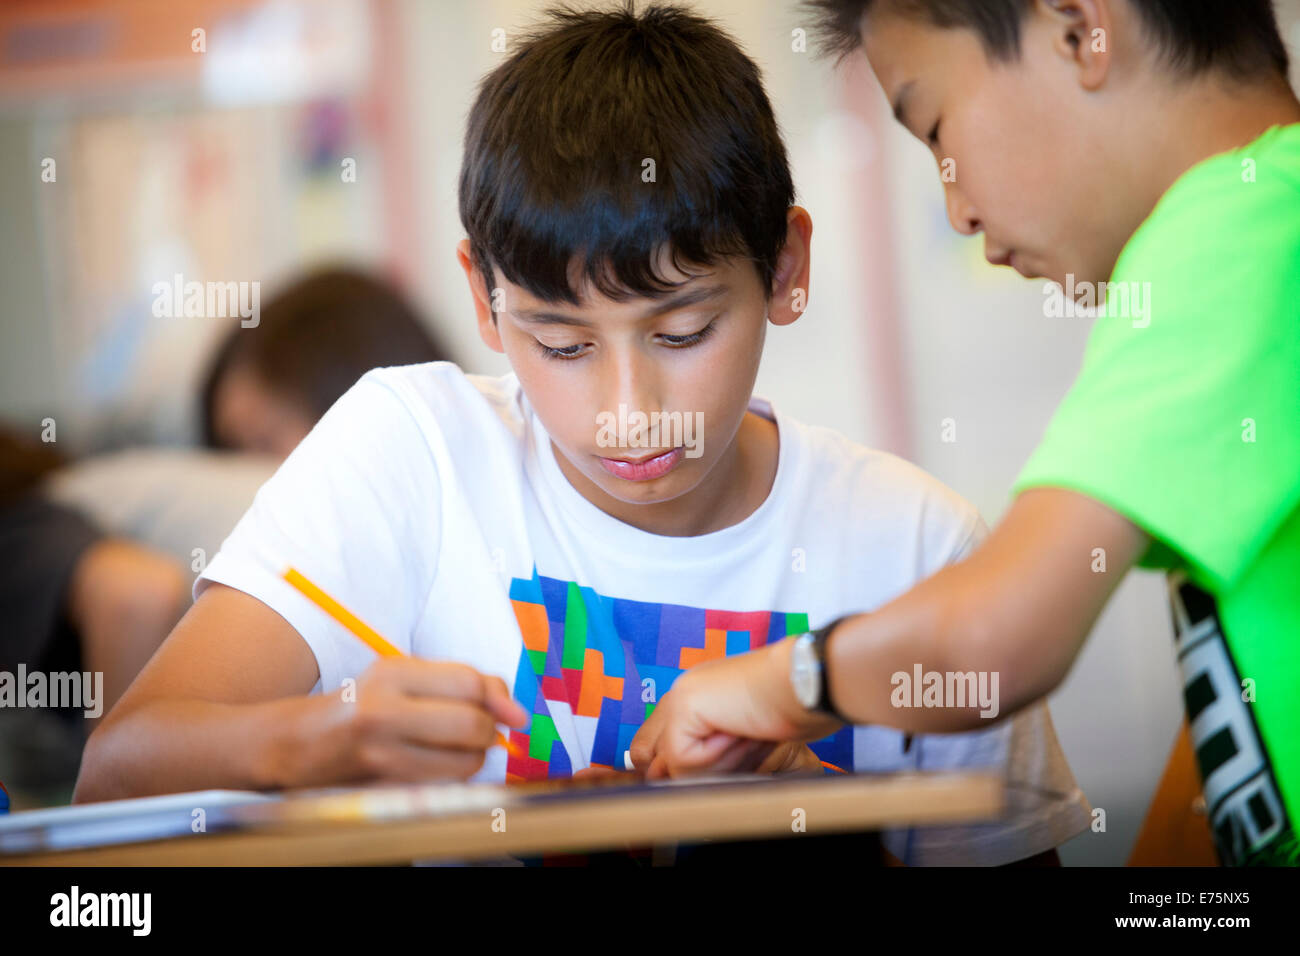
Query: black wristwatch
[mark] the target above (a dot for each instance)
(809, 676)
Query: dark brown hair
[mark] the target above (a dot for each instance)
(317, 337)
(559, 135)
(1239, 37)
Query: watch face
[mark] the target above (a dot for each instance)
(805, 671)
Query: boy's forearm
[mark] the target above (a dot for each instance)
(938, 629)
(1020, 608)
(174, 746)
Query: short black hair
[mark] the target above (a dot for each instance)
(557, 139)
(1238, 37)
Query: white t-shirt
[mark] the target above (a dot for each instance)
(429, 503)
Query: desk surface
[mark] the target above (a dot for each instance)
(466, 822)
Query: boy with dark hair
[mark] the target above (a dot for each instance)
(554, 547)
(1154, 144)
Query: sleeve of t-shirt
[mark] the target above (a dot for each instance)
(355, 509)
(1044, 806)
(1184, 418)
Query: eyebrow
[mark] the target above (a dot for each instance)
(682, 301)
(900, 101)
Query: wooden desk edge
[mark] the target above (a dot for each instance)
(853, 803)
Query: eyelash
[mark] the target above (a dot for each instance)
(558, 353)
(676, 342)
(695, 338)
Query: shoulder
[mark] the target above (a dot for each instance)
(443, 399)
(1252, 177)
(1226, 212)
(1216, 271)
(421, 420)
(436, 385)
(846, 469)
(876, 493)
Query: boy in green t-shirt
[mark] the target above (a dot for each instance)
(1154, 143)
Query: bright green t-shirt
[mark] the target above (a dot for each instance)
(1186, 419)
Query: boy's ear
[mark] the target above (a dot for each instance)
(1083, 36)
(793, 266)
(483, 299)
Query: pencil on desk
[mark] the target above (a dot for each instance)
(364, 631)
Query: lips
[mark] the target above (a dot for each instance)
(998, 257)
(1008, 257)
(643, 469)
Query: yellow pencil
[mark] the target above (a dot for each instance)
(361, 629)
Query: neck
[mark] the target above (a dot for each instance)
(1212, 115)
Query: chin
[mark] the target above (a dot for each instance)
(1084, 273)
(655, 492)
(644, 492)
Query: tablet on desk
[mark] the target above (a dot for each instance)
(121, 821)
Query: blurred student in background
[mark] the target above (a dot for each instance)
(269, 384)
(97, 549)
(73, 598)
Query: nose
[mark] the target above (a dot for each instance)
(631, 381)
(961, 213)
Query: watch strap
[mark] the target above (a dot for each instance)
(821, 637)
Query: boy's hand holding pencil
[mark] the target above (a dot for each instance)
(410, 719)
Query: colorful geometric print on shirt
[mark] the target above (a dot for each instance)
(593, 667)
